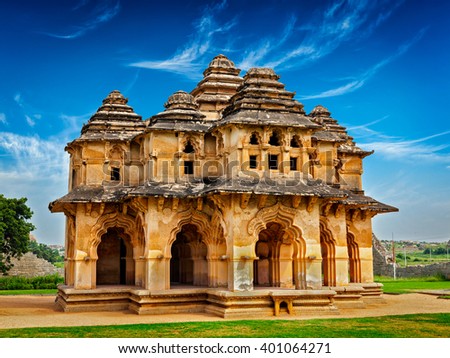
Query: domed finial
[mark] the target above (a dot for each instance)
(181, 100)
(320, 111)
(115, 97)
(221, 61)
(262, 72)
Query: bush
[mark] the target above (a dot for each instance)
(32, 283)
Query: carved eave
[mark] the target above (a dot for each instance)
(89, 194)
(347, 149)
(363, 202)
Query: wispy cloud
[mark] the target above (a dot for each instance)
(296, 45)
(33, 156)
(425, 148)
(28, 111)
(102, 12)
(190, 58)
(3, 118)
(367, 75)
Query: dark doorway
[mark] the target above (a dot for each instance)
(113, 255)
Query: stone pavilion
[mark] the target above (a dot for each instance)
(232, 201)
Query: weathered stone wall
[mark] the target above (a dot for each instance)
(383, 266)
(30, 265)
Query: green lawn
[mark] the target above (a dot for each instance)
(408, 285)
(28, 292)
(407, 326)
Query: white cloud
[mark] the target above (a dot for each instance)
(103, 12)
(37, 169)
(416, 150)
(30, 121)
(3, 118)
(367, 75)
(295, 46)
(190, 59)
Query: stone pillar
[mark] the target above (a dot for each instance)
(155, 277)
(313, 267)
(84, 275)
(241, 269)
(139, 275)
(366, 255)
(341, 265)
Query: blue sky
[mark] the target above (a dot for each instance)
(381, 67)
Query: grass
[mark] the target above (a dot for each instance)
(406, 326)
(408, 285)
(51, 291)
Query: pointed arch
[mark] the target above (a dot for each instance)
(106, 221)
(284, 248)
(354, 258)
(254, 138)
(201, 255)
(195, 143)
(328, 250)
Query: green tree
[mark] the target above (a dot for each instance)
(45, 252)
(14, 230)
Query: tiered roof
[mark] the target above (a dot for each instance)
(220, 82)
(181, 114)
(332, 131)
(114, 120)
(263, 100)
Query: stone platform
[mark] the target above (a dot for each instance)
(259, 302)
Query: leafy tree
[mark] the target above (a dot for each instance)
(14, 230)
(45, 252)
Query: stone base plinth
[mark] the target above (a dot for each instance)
(105, 298)
(189, 300)
(261, 302)
(349, 297)
(373, 292)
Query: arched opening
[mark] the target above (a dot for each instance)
(275, 264)
(254, 139)
(328, 250)
(188, 265)
(115, 264)
(189, 148)
(275, 139)
(354, 259)
(295, 142)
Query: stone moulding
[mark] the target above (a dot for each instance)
(219, 302)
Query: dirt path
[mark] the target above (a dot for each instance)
(41, 311)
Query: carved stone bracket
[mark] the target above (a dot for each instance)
(262, 201)
(161, 201)
(311, 200)
(245, 198)
(296, 200)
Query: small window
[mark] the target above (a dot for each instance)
(254, 139)
(189, 147)
(115, 174)
(295, 143)
(274, 139)
(253, 162)
(74, 178)
(188, 167)
(273, 161)
(293, 163)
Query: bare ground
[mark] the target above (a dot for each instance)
(41, 311)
